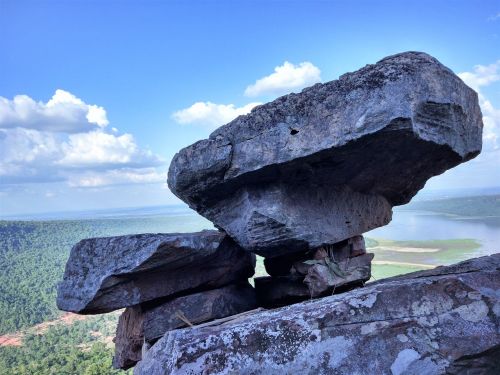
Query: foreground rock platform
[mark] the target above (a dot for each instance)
(143, 325)
(329, 163)
(106, 274)
(445, 320)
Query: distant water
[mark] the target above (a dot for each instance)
(406, 224)
(423, 225)
(134, 212)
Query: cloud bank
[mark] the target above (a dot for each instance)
(67, 140)
(285, 79)
(211, 114)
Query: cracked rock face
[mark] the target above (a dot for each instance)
(106, 274)
(326, 164)
(445, 320)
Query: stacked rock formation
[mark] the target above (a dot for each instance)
(297, 181)
(165, 282)
(297, 177)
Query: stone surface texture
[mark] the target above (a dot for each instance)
(141, 326)
(106, 274)
(328, 163)
(198, 308)
(129, 338)
(326, 270)
(445, 320)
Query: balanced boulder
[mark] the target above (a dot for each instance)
(329, 163)
(106, 274)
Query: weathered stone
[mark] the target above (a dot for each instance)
(144, 325)
(105, 274)
(280, 291)
(326, 164)
(198, 308)
(129, 338)
(321, 278)
(313, 280)
(429, 322)
(285, 264)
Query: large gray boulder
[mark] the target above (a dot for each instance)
(446, 320)
(106, 274)
(329, 163)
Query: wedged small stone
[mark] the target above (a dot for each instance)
(431, 322)
(129, 338)
(313, 280)
(322, 278)
(324, 165)
(285, 264)
(106, 274)
(144, 325)
(198, 308)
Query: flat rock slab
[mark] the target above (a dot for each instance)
(106, 274)
(198, 308)
(329, 163)
(446, 320)
(142, 325)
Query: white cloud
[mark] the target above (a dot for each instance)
(32, 151)
(494, 17)
(485, 75)
(211, 114)
(482, 75)
(103, 149)
(118, 177)
(286, 78)
(64, 112)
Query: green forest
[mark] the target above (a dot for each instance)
(32, 259)
(33, 255)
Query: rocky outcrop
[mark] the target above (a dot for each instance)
(299, 180)
(142, 325)
(106, 274)
(327, 164)
(446, 320)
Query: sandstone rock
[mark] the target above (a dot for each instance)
(280, 291)
(129, 338)
(105, 274)
(326, 164)
(198, 308)
(430, 322)
(144, 325)
(322, 278)
(313, 280)
(282, 265)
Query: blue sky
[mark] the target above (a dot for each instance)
(108, 88)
